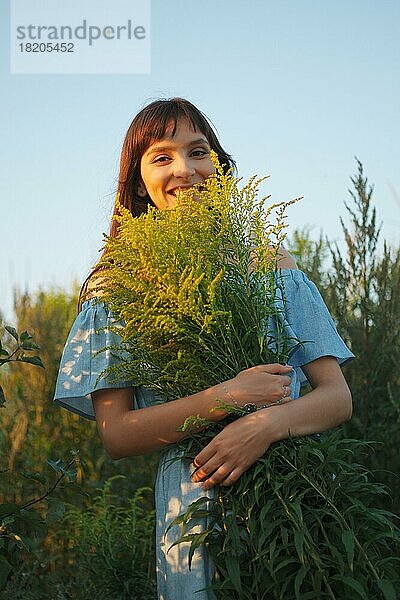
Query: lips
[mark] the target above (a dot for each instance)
(174, 191)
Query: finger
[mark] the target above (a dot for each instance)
(280, 389)
(284, 380)
(280, 380)
(232, 477)
(276, 368)
(217, 477)
(205, 455)
(205, 470)
(285, 392)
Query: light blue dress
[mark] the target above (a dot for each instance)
(304, 316)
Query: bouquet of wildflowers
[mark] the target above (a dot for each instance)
(196, 287)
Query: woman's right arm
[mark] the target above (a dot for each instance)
(126, 432)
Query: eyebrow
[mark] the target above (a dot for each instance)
(169, 147)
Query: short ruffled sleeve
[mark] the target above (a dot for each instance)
(81, 364)
(306, 319)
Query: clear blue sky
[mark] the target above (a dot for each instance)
(295, 88)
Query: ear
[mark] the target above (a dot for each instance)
(142, 192)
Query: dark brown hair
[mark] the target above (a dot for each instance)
(149, 126)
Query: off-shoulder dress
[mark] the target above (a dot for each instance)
(305, 318)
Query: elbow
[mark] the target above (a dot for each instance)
(115, 438)
(350, 411)
(113, 453)
(112, 445)
(347, 403)
(111, 449)
(108, 441)
(116, 450)
(111, 407)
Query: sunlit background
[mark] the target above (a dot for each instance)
(295, 89)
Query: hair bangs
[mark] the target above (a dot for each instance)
(162, 120)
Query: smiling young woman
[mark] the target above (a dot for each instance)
(179, 164)
(167, 147)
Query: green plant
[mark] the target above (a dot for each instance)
(196, 288)
(198, 300)
(109, 552)
(32, 430)
(310, 255)
(113, 546)
(32, 425)
(21, 527)
(303, 524)
(363, 294)
(17, 352)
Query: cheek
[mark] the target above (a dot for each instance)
(209, 169)
(143, 175)
(149, 178)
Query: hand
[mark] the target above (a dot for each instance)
(233, 450)
(263, 384)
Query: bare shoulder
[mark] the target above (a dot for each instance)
(92, 287)
(285, 259)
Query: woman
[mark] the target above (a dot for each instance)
(167, 147)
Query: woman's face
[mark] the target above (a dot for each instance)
(175, 162)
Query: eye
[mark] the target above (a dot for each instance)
(162, 158)
(200, 152)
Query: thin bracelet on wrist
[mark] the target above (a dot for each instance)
(286, 394)
(231, 398)
(249, 407)
(275, 403)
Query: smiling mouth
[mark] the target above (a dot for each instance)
(175, 191)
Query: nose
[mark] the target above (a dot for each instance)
(183, 168)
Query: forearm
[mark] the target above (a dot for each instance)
(126, 432)
(323, 408)
(135, 432)
(242, 442)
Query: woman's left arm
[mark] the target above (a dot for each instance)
(242, 442)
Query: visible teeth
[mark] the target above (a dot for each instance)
(175, 192)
